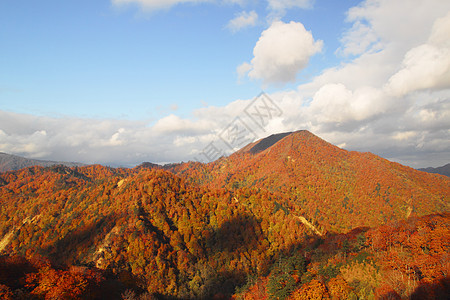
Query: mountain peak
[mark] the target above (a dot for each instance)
(267, 142)
(270, 141)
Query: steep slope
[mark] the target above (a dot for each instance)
(167, 236)
(265, 143)
(399, 260)
(334, 188)
(278, 208)
(9, 162)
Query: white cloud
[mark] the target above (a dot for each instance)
(381, 23)
(441, 32)
(334, 103)
(286, 4)
(116, 139)
(239, 2)
(181, 141)
(405, 22)
(276, 7)
(426, 66)
(406, 135)
(243, 69)
(282, 51)
(152, 5)
(243, 20)
(175, 124)
(120, 142)
(391, 97)
(376, 81)
(357, 40)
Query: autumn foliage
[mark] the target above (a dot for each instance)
(299, 219)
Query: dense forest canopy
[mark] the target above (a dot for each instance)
(297, 218)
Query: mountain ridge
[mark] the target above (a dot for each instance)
(11, 162)
(314, 171)
(297, 213)
(443, 170)
(264, 143)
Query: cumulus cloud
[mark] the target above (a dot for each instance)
(426, 66)
(282, 51)
(391, 97)
(401, 23)
(243, 20)
(335, 103)
(116, 138)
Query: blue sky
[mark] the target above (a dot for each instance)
(130, 74)
(85, 58)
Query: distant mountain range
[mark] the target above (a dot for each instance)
(9, 162)
(444, 170)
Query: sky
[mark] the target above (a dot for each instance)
(120, 82)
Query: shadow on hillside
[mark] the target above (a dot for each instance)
(67, 249)
(428, 291)
(268, 142)
(234, 235)
(425, 291)
(229, 242)
(233, 243)
(237, 237)
(13, 269)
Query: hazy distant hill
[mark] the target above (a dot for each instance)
(9, 162)
(444, 170)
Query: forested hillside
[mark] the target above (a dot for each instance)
(338, 189)
(291, 216)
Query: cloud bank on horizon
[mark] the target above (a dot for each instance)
(390, 93)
